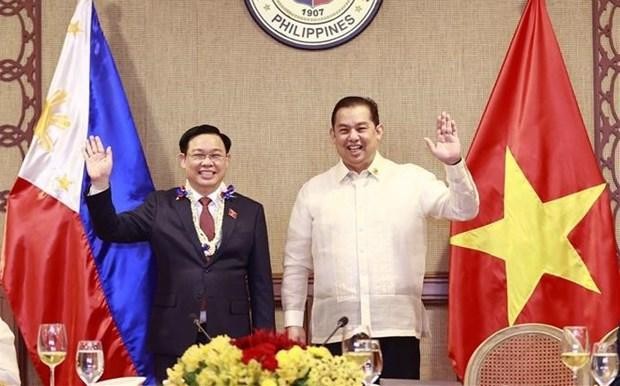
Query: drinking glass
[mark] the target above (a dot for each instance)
(604, 364)
(575, 348)
(89, 361)
(52, 346)
(367, 354)
(352, 333)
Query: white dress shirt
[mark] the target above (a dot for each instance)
(9, 372)
(364, 236)
(216, 204)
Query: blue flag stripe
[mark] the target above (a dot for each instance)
(126, 270)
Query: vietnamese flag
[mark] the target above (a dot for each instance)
(542, 248)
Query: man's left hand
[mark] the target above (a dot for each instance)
(448, 146)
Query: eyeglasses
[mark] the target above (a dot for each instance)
(199, 157)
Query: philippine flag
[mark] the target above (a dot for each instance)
(54, 267)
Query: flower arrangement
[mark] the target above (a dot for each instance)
(262, 359)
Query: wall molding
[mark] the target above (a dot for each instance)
(606, 85)
(25, 72)
(434, 291)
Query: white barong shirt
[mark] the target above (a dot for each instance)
(364, 237)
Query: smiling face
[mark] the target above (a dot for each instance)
(356, 137)
(205, 163)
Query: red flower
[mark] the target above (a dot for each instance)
(264, 353)
(262, 346)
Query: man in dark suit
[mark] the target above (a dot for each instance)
(212, 256)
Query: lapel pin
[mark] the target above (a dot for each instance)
(232, 213)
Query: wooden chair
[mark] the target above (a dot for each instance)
(611, 336)
(524, 354)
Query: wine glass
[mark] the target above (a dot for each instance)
(52, 346)
(575, 348)
(367, 354)
(604, 364)
(351, 333)
(89, 361)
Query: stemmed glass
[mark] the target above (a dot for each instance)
(575, 348)
(89, 361)
(52, 346)
(367, 354)
(604, 364)
(352, 333)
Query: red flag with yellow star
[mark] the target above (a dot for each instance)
(542, 248)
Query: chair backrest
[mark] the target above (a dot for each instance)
(611, 336)
(524, 354)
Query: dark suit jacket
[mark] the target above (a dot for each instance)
(236, 281)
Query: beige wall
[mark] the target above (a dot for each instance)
(186, 62)
(207, 61)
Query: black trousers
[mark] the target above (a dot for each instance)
(163, 362)
(401, 356)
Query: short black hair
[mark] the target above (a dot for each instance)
(351, 101)
(199, 130)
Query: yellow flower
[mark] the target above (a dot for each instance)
(293, 364)
(319, 351)
(175, 375)
(268, 382)
(219, 363)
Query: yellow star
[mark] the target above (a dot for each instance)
(47, 118)
(74, 28)
(532, 238)
(64, 182)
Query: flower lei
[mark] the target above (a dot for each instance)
(181, 192)
(209, 246)
(228, 193)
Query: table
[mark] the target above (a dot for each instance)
(408, 382)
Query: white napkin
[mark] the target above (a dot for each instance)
(123, 381)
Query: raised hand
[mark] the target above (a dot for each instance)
(448, 146)
(98, 162)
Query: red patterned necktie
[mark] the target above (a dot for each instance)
(206, 220)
